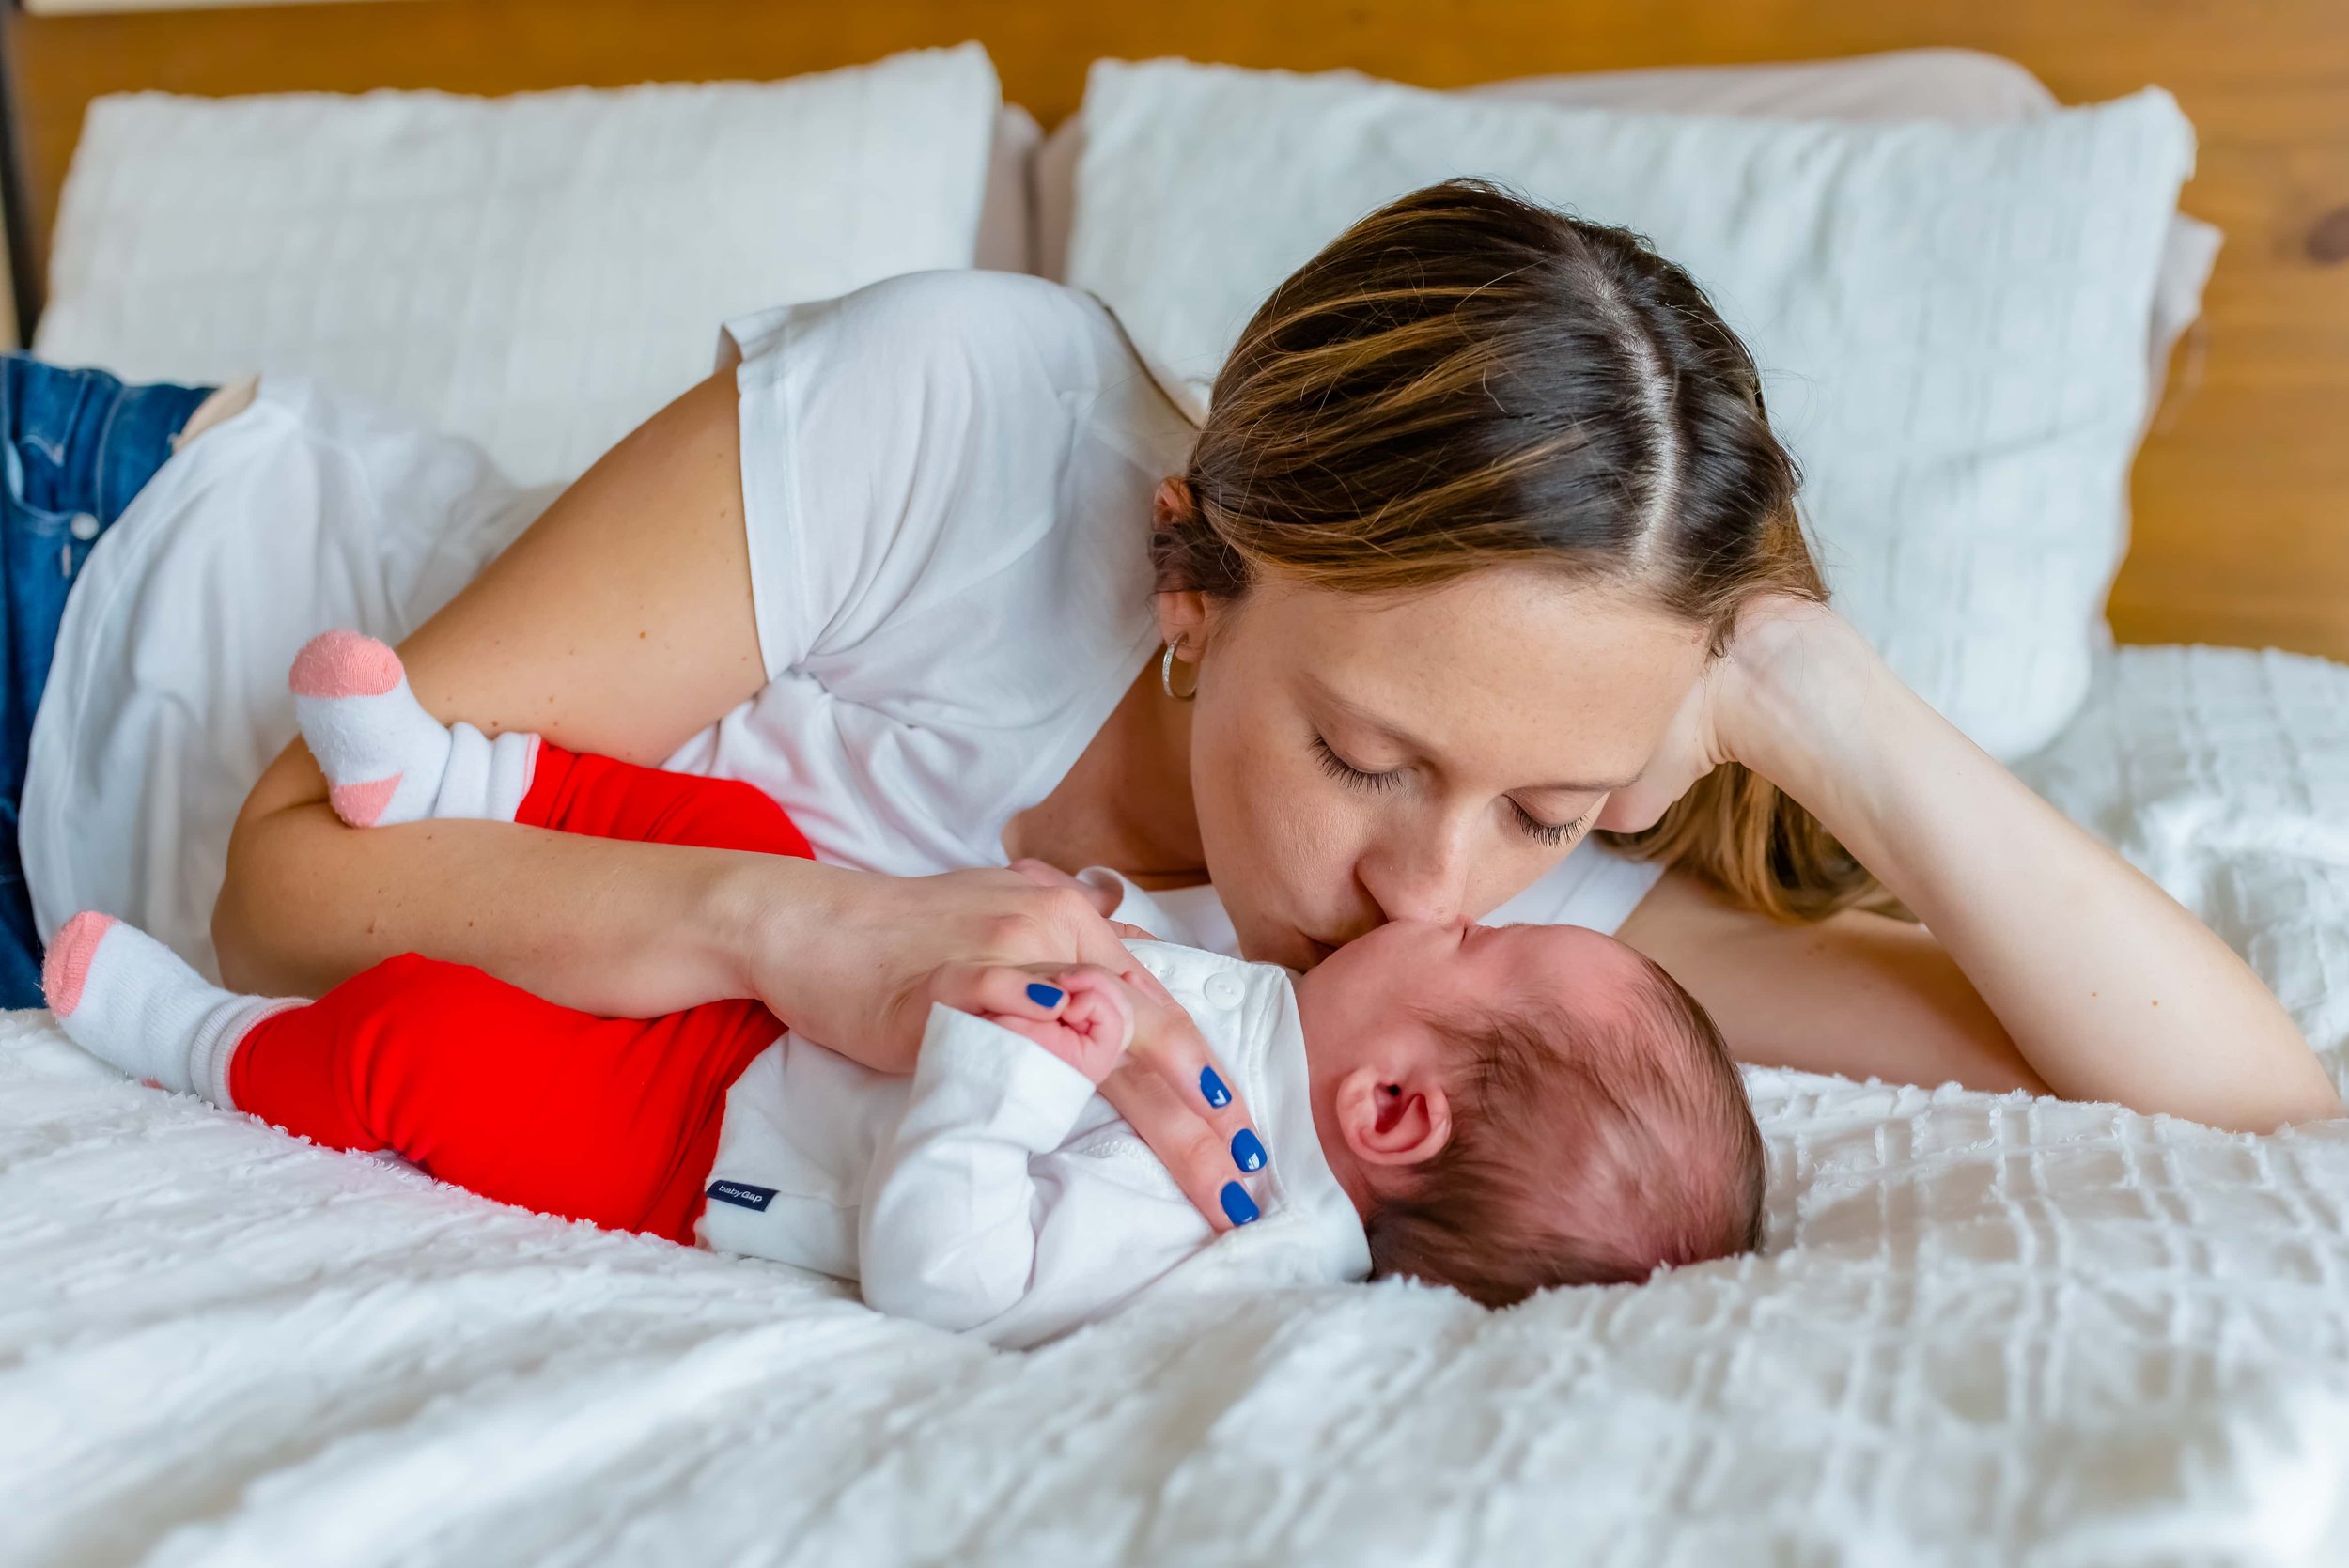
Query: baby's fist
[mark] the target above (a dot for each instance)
(1093, 1026)
(1079, 1012)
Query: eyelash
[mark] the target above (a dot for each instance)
(1549, 834)
(1347, 774)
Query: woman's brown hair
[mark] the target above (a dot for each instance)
(1465, 378)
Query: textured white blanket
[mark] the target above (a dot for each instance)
(1988, 1330)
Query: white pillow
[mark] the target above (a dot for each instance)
(1964, 85)
(1951, 320)
(539, 272)
(1006, 241)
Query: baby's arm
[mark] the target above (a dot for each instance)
(949, 1225)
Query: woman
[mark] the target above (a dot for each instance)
(1487, 545)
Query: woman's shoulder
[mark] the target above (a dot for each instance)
(947, 483)
(939, 437)
(976, 319)
(946, 487)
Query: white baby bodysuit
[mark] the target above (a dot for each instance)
(995, 1193)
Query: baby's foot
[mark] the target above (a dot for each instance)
(386, 760)
(1091, 1030)
(131, 1003)
(382, 753)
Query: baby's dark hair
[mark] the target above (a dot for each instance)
(1584, 1150)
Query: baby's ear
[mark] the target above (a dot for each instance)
(1391, 1121)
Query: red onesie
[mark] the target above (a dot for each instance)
(487, 1087)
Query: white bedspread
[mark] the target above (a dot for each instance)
(1986, 1331)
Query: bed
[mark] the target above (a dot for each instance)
(1985, 1329)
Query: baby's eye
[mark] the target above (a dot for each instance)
(1347, 774)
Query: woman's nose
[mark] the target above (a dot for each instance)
(1422, 877)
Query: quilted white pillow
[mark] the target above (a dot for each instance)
(539, 272)
(1950, 319)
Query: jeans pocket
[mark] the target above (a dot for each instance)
(48, 406)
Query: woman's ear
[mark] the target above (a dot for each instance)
(1183, 612)
(1183, 618)
(1387, 1120)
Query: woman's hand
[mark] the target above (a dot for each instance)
(850, 958)
(1104, 899)
(1173, 1092)
(855, 959)
(1781, 644)
(2108, 988)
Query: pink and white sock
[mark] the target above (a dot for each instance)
(386, 760)
(133, 1003)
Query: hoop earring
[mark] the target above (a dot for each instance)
(1166, 674)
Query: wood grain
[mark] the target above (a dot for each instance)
(2242, 497)
(85, 8)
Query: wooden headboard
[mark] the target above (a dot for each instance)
(2240, 496)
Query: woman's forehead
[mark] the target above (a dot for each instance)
(1507, 667)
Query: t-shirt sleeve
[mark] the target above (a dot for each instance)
(907, 451)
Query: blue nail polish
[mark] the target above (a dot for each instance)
(1246, 1150)
(1043, 995)
(1239, 1207)
(1212, 1086)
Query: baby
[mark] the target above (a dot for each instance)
(1498, 1109)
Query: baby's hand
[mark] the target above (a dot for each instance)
(1090, 1015)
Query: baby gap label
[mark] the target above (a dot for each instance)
(742, 1194)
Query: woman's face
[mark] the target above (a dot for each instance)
(1360, 758)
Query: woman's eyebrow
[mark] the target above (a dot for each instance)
(1419, 747)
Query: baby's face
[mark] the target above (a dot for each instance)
(1369, 1001)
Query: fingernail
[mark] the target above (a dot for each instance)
(1043, 995)
(1246, 1150)
(1213, 1088)
(1239, 1207)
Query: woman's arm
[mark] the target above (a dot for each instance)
(619, 623)
(2081, 974)
(1858, 994)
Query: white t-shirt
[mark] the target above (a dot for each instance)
(946, 480)
(947, 483)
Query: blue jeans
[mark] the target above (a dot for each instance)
(77, 446)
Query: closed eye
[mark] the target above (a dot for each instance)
(1552, 834)
(1347, 774)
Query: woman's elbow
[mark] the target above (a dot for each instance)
(255, 928)
(255, 923)
(241, 934)
(2319, 1103)
(2304, 1090)
(2299, 1091)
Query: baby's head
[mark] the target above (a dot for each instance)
(1524, 1106)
